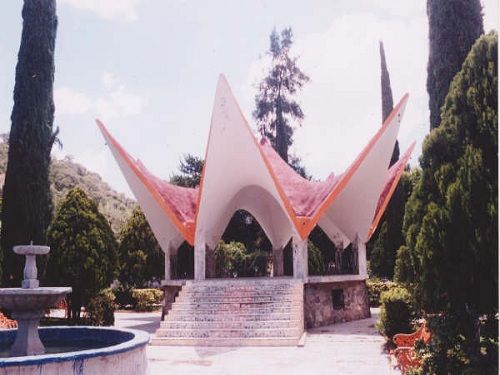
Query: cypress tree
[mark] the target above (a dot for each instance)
(83, 250)
(27, 203)
(387, 102)
(451, 219)
(454, 25)
(140, 256)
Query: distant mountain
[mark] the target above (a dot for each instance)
(65, 174)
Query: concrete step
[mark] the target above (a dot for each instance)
(235, 303)
(222, 310)
(189, 317)
(225, 342)
(236, 298)
(229, 333)
(224, 324)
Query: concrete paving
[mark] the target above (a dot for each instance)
(347, 348)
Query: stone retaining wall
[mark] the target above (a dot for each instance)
(319, 307)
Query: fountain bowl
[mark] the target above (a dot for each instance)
(31, 249)
(92, 350)
(24, 299)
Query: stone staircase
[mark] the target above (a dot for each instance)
(235, 312)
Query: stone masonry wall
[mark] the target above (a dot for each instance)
(318, 303)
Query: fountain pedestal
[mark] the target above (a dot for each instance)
(27, 339)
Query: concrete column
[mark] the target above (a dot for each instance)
(278, 265)
(210, 262)
(360, 246)
(168, 267)
(300, 270)
(199, 260)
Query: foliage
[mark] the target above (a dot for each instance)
(454, 26)
(27, 206)
(404, 270)
(101, 308)
(451, 219)
(375, 288)
(140, 256)
(190, 170)
(315, 261)
(388, 237)
(147, 299)
(446, 352)
(395, 312)
(83, 250)
(387, 102)
(65, 175)
(233, 260)
(275, 108)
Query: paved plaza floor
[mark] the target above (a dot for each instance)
(347, 348)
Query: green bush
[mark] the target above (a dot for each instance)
(395, 312)
(147, 299)
(375, 288)
(101, 308)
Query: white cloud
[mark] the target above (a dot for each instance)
(342, 101)
(114, 102)
(108, 9)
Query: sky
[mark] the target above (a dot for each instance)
(148, 69)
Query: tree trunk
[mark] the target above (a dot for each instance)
(27, 202)
(281, 141)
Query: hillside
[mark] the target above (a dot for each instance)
(65, 174)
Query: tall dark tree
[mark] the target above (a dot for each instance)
(454, 25)
(27, 205)
(83, 250)
(140, 256)
(451, 219)
(387, 102)
(276, 110)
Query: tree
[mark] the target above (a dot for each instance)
(275, 107)
(141, 259)
(387, 102)
(451, 219)
(83, 250)
(388, 237)
(27, 208)
(190, 172)
(454, 25)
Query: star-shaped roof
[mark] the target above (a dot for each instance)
(241, 172)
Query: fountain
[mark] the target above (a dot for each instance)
(29, 303)
(62, 350)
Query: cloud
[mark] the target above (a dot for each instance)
(114, 102)
(125, 10)
(342, 102)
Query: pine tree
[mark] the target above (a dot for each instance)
(275, 107)
(454, 25)
(387, 102)
(190, 169)
(27, 204)
(83, 250)
(140, 256)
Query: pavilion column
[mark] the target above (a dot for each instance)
(278, 265)
(168, 266)
(300, 270)
(199, 260)
(360, 247)
(210, 262)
